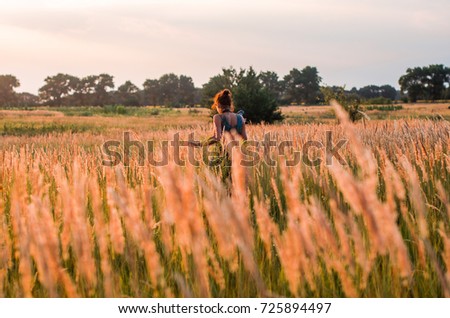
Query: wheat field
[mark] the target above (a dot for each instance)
(376, 226)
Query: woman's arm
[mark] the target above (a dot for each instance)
(244, 132)
(217, 131)
(217, 121)
(209, 141)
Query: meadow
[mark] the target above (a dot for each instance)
(376, 225)
(321, 114)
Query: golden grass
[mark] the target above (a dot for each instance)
(326, 114)
(376, 227)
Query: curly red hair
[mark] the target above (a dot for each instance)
(223, 101)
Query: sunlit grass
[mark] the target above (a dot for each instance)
(378, 226)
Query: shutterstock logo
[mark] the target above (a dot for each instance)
(181, 152)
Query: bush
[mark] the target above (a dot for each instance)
(154, 112)
(387, 108)
(349, 101)
(249, 95)
(121, 110)
(378, 101)
(257, 102)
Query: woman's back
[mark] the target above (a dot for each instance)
(225, 119)
(232, 121)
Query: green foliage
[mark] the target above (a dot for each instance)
(154, 112)
(349, 101)
(387, 108)
(430, 83)
(115, 110)
(127, 94)
(249, 94)
(427, 83)
(27, 100)
(298, 87)
(168, 86)
(7, 85)
(94, 90)
(121, 110)
(64, 89)
(257, 102)
(272, 84)
(57, 88)
(378, 101)
(302, 86)
(169, 90)
(386, 93)
(36, 129)
(228, 79)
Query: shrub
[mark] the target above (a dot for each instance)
(349, 101)
(249, 95)
(121, 110)
(154, 112)
(385, 107)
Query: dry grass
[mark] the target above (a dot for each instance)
(376, 227)
(325, 114)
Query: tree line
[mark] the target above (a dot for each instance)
(299, 86)
(99, 90)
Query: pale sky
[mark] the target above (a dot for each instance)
(351, 42)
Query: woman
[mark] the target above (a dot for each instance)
(225, 120)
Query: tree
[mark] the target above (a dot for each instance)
(86, 90)
(151, 93)
(373, 91)
(293, 86)
(186, 90)
(411, 84)
(127, 94)
(436, 78)
(102, 83)
(302, 86)
(169, 90)
(311, 84)
(368, 92)
(27, 99)
(249, 94)
(427, 82)
(198, 96)
(228, 79)
(7, 95)
(168, 86)
(258, 103)
(57, 88)
(272, 84)
(387, 91)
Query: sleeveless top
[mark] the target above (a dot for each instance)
(239, 124)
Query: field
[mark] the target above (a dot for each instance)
(344, 210)
(317, 114)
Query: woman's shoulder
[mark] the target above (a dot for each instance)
(217, 118)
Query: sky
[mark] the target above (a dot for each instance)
(351, 42)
